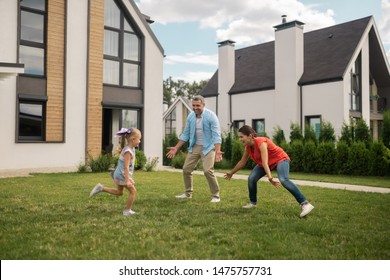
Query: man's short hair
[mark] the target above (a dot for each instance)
(198, 98)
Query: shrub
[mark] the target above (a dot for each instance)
(327, 132)
(326, 157)
(295, 132)
(379, 165)
(309, 157)
(310, 134)
(237, 151)
(386, 129)
(151, 164)
(102, 163)
(278, 136)
(358, 159)
(346, 134)
(179, 159)
(140, 160)
(342, 153)
(227, 146)
(295, 153)
(223, 164)
(362, 132)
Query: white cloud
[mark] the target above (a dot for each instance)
(194, 76)
(384, 24)
(193, 58)
(247, 22)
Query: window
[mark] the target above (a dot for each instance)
(238, 124)
(121, 49)
(170, 123)
(259, 126)
(31, 120)
(129, 118)
(32, 36)
(315, 123)
(356, 80)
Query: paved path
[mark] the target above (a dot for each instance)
(26, 172)
(301, 182)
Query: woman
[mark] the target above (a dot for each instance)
(267, 156)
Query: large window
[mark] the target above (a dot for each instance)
(31, 120)
(170, 123)
(315, 123)
(121, 48)
(356, 85)
(259, 127)
(32, 36)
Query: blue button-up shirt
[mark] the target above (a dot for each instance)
(210, 130)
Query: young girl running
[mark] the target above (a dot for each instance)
(123, 173)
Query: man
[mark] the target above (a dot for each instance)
(204, 135)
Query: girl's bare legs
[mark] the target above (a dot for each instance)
(132, 191)
(118, 191)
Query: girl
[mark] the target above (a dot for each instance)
(124, 170)
(267, 156)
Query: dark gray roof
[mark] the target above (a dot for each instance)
(327, 53)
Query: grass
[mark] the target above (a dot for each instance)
(370, 181)
(49, 216)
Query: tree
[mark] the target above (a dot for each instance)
(296, 133)
(173, 89)
(327, 132)
(278, 136)
(346, 134)
(362, 132)
(386, 129)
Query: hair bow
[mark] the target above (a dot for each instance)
(124, 131)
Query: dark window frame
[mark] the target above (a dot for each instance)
(254, 126)
(33, 44)
(120, 58)
(35, 100)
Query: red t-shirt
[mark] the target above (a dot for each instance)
(275, 153)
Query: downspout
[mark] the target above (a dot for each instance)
(87, 82)
(300, 107)
(230, 111)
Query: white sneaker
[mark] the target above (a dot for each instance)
(249, 205)
(97, 189)
(306, 209)
(215, 199)
(128, 212)
(183, 196)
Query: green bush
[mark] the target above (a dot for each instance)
(309, 157)
(346, 134)
(223, 164)
(358, 159)
(237, 151)
(295, 152)
(178, 160)
(386, 129)
(326, 158)
(278, 136)
(140, 160)
(102, 163)
(379, 164)
(362, 132)
(151, 164)
(342, 153)
(295, 132)
(327, 132)
(310, 134)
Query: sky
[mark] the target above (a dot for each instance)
(190, 30)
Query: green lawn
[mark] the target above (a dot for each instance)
(50, 216)
(370, 181)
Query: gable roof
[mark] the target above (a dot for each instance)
(178, 99)
(327, 53)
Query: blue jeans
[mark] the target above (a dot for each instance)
(283, 169)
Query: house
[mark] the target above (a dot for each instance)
(333, 74)
(72, 73)
(175, 116)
